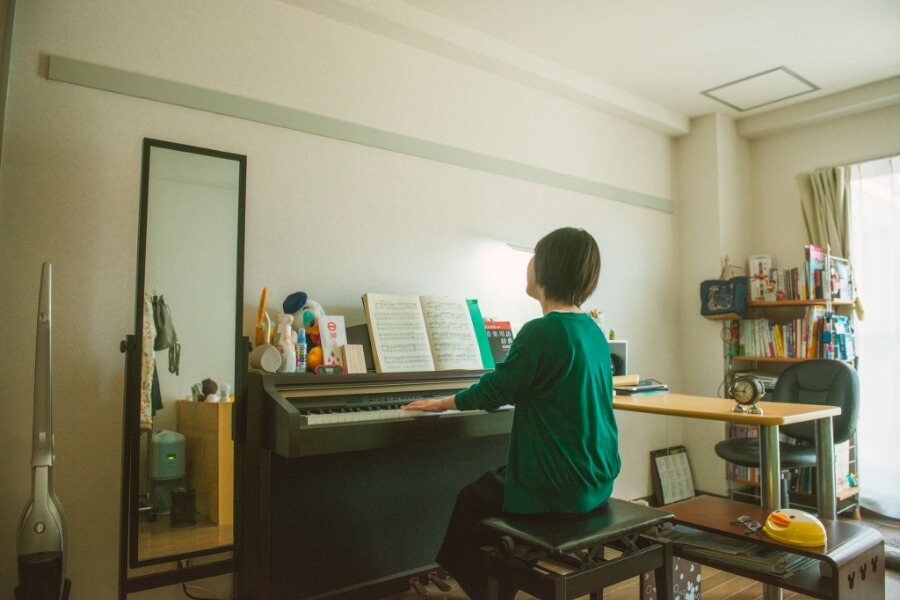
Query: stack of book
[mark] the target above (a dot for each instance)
(806, 282)
(744, 554)
(817, 334)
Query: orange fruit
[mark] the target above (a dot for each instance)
(314, 358)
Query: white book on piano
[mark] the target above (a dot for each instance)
(421, 333)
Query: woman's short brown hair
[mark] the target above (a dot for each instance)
(567, 265)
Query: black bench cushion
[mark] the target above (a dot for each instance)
(562, 534)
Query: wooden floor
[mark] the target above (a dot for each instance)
(714, 585)
(158, 538)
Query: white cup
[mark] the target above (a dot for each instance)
(265, 357)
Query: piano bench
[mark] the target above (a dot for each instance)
(577, 544)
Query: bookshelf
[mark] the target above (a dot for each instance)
(810, 319)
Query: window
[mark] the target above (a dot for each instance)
(875, 248)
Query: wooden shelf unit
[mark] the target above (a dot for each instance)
(780, 310)
(809, 302)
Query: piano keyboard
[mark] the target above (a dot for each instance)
(350, 415)
(301, 415)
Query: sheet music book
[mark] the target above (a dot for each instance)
(672, 478)
(424, 333)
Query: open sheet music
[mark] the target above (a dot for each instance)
(424, 333)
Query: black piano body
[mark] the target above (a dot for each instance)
(336, 501)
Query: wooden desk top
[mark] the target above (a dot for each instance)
(719, 409)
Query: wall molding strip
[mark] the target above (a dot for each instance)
(109, 79)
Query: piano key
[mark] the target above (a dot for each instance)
(355, 417)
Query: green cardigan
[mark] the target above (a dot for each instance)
(564, 447)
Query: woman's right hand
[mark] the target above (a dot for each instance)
(445, 403)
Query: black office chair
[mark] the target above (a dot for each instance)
(829, 382)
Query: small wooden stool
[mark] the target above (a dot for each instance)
(577, 542)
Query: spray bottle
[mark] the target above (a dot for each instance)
(285, 344)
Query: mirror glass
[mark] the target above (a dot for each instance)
(179, 451)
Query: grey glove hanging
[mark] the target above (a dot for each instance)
(166, 338)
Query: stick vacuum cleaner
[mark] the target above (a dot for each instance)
(42, 530)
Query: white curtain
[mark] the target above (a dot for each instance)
(875, 248)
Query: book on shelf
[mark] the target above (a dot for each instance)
(500, 338)
(842, 338)
(815, 264)
(760, 266)
(426, 333)
(843, 467)
(841, 279)
(816, 334)
(806, 282)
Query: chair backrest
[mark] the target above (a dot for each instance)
(830, 382)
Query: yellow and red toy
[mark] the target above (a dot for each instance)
(795, 527)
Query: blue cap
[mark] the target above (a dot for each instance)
(294, 302)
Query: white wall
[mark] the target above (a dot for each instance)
(714, 168)
(324, 216)
(778, 159)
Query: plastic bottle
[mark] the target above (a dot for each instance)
(301, 350)
(264, 330)
(285, 344)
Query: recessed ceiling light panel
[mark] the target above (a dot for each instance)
(761, 89)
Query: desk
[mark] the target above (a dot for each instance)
(775, 414)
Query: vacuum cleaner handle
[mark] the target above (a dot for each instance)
(41, 535)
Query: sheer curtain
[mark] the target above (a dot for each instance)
(875, 248)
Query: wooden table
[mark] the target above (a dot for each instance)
(854, 553)
(775, 414)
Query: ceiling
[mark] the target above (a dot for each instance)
(652, 60)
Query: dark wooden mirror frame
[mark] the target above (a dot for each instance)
(134, 576)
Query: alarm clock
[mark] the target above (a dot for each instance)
(747, 390)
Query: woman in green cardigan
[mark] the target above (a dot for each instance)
(563, 450)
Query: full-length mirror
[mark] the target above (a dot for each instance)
(185, 358)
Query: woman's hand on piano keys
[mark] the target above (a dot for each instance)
(445, 403)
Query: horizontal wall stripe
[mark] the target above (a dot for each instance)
(161, 90)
